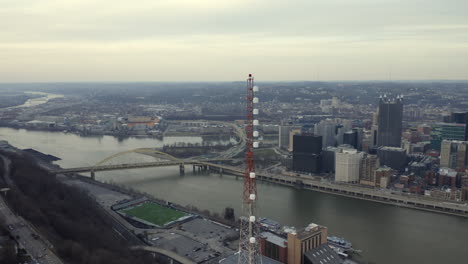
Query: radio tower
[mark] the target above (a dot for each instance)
(248, 244)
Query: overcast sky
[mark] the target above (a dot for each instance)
(223, 40)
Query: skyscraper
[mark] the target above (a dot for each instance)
(453, 154)
(332, 131)
(354, 138)
(284, 137)
(369, 164)
(347, 163)
(293, 132)
(447, 131)
(307, 153)
(390, 121)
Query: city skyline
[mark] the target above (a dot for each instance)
(184, 40)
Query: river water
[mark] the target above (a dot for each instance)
(385, 233)
(45, 97)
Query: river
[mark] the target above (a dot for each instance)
(44, 98)
(385, 233)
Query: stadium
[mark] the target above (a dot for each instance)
(144, 213)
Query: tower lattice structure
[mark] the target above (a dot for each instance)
(249, 250)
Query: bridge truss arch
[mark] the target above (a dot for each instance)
(148, 151)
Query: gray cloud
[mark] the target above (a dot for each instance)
(189, 39)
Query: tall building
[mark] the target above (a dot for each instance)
(347, 163)
(453, 154)
(448, 131)
(464, 188)
(374, 128)
(332, 131)
(304, 240)
(328, 159)
(350, 138)
(354, 138)
(383, 177)
(369, 164)
(307, 153)
(459, 117)
(296, 131)
(326, 129)
(330, 105)
(283, 135)
(392, 157)
(390, 122)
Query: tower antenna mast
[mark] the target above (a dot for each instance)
(248, 244)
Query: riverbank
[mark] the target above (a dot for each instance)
(411, 201)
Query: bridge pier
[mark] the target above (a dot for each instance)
(182, 169)
(93, 176)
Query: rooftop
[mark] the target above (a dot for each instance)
(392, 148)
(274, 239)
(323, 254)
(310, 230)
(233, 259)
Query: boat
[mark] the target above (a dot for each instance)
(339, 242)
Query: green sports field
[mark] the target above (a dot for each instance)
(154, 213)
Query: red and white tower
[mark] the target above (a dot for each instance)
(248, 243)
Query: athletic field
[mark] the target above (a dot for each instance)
(154, 213)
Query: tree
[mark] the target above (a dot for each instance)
(8, 253)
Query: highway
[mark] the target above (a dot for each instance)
(370, 194)
(25, 234)
(235, 150)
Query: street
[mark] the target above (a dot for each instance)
(26, 236)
